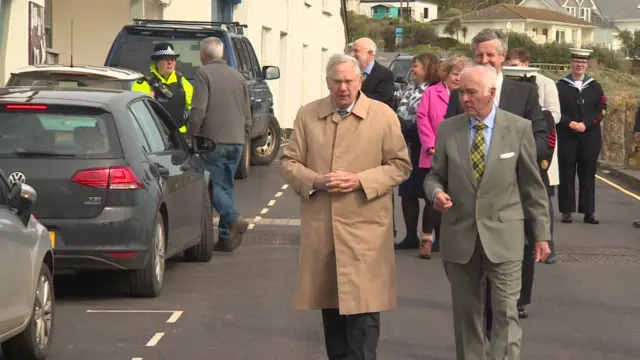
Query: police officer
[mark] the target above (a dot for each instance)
(167, 85)
(583, 106)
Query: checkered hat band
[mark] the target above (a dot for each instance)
(164, 53)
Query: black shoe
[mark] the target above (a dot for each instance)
(566, 218)
(551, 259)
(636, 224)
(522, 312)
(590, 219)
(407, 243)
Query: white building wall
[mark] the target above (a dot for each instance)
(298, 36)
(416, 5)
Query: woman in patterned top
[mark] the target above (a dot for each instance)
(424, 72)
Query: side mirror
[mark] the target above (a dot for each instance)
(202, 145)
(22, 198)
(400, 79)
(270, 72)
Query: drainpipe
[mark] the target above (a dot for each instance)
(343, 14)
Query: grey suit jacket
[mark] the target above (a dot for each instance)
(511, 189)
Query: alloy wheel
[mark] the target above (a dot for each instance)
(43, 311)
(268, 147)
(160, 253)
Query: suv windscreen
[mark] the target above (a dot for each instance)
(40, 78)
(39, 131)
(400, 67)
(135, 48)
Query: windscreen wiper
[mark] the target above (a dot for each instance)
(44, 153)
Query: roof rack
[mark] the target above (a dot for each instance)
(234, 27)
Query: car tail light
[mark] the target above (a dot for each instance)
(113, 178)
(25, 107)
(122, 255)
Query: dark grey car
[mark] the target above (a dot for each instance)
(117, 183)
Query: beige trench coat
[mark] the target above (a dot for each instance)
(346, 261)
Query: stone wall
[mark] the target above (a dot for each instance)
(619, 146)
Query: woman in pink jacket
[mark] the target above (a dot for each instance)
(430, 114)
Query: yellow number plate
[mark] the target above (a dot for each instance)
(52, 236)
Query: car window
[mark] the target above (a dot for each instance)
(149, 127)
(244, 64)
(57, 131)
(172, 138)
(255, 65)
(67, 81)
(139, 134)
(134, 50)
(400, 67)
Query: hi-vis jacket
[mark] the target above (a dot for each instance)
(174, 93)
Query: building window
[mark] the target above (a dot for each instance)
(48, 21)
(571, 10)
(574, 37)
(375, 11)
(585, 14)
(425, 13)
(560, 36)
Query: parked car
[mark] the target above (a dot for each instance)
(400, 68)
(120, 188)
(74, 76)
(134, 44)
(26, 258)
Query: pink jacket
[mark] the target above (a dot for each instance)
(430, 114)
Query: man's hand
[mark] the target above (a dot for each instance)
(431, 151)
(576, 126)
(542, 251)
(442, 202)
(341, 181)
(321, 182)
(637, 136)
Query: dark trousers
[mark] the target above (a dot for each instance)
(578, 152)
(351, 337)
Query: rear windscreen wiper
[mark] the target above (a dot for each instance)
(23, 152)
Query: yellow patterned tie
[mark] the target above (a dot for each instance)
(478, 149)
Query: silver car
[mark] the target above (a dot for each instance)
(26, 260)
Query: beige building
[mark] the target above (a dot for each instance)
(353, 5)
(542, 25)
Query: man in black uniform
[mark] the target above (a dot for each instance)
(489, 47)
(583, 106)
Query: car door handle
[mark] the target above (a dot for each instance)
(163, 171)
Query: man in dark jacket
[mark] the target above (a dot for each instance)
(221, 111)
(378, 79)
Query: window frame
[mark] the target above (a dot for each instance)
(160, 115)
(156, 126)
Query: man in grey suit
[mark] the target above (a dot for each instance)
(484, 211)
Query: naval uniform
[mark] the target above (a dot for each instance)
(582, 102)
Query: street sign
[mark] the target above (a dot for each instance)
(399, 32)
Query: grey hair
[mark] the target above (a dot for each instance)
(488, 35)
(489, 75)
(369, 44)
(339, 59)
(212, 48)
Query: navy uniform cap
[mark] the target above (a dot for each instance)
(163, 49)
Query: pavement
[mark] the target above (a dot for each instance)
(239, 306)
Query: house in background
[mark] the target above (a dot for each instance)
(541, 25)
(353, 5)
(420, 10)
(610, 16)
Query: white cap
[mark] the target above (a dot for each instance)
(580, 53)
(519, 71)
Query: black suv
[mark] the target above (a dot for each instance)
(134, 44)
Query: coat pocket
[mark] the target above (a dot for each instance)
(511, 215)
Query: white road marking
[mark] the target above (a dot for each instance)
(271, 202)
(264, 211)
(257, 218)
(136, 359)
(155, 339)
(174, 317)
(284, 187)
(175, 314)
(618, 187)
(278, 194)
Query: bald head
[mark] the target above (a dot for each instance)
(477, 90)
(364, 50)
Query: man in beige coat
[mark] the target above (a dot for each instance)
(345, 156)
(485, 179)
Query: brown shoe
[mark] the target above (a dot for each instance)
(426, 240)
(236, 235)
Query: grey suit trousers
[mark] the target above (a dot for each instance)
(468, 297)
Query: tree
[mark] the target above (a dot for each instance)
(453, 27)
(630, 42)
(358, 26)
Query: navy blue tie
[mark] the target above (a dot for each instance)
(343, 113)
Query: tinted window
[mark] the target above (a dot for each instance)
(172, 138)
(5, 191)
(244, 65)
(255, 65)
(400, 67)
(149, 127)
(67, 81)
(134, 51)
(65, 131)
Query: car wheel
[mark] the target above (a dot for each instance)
(147, 282)
(268, 151)
(203, 252)
(245, 162)
(34, 343)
